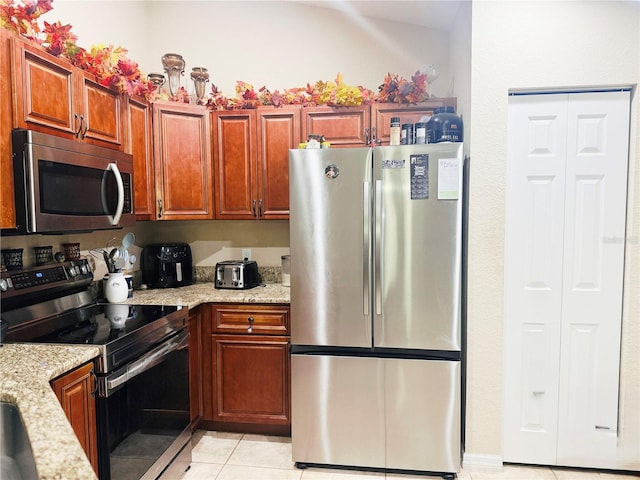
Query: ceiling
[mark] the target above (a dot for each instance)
(439, 14)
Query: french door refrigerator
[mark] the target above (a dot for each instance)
(376, 331)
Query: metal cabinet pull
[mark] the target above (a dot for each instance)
(86, 126)
(260, 208)
(250, 320)
(253, 209)
(79, 118)
(160, 208)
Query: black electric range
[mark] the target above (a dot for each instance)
(51, 304)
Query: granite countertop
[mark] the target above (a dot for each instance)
(198, 293)
(25, 372)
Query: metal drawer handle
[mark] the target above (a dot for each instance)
(250, 320)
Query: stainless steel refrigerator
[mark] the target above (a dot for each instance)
(376, 331)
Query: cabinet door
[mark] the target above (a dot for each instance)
(138, 143)
(251, 379)
(7, 199)
(341, 126)
(75, 393)
(381, 114)
(182, 158)
(235, 168)
(44, 89)
(278, 131)
(101, 109)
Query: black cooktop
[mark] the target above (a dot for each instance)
(97, 324)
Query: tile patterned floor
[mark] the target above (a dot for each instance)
(237, 456)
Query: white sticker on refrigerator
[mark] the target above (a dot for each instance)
(419, 176)
(448, 178)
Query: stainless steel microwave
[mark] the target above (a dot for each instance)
(66, 186)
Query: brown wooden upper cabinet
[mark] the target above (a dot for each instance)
(138, 142)
(381, 114)
(342, 127)
(251, 151)
(358, 126)
(182, 161)
(52, 96)
(7, 198)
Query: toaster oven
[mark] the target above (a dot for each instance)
(237, 274)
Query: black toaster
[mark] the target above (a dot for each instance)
(237, 274)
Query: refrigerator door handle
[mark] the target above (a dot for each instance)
(378, 247)
(366, 247)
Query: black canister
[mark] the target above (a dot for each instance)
(434, 127)
(421, 132)
(406, 134)
(445, 126)
(451, 127)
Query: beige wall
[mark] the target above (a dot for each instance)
(272, 43)
(532, 45)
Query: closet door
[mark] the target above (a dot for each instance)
(533, 276)
(564, 247)
(595, 214)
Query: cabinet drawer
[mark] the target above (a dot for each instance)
(263, 319)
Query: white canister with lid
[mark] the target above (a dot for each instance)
(286, 270)
(116, 289)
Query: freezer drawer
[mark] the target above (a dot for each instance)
(376, 412)
(337, 410)
(422, 419)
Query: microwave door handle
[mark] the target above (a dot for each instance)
(115, 219)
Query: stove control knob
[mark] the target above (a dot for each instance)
(4, 285)
(73, 271)
(84, 269)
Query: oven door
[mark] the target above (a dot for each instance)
(143, 414)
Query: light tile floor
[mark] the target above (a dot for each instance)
(237, 456)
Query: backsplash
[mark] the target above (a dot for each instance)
(268, 274)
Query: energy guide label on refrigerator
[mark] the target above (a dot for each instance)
(448, 179)
(419, 176)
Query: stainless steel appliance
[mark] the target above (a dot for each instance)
(376, 334)
(237, 274)
(142, 373)
(167, 265)
(65, 186)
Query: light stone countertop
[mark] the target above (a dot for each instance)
(198, 293)
(25, 372)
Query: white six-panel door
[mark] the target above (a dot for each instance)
(564, 252)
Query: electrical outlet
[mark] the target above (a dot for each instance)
(246, 254)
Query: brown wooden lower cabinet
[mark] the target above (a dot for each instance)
(75, 393)
(247, 375)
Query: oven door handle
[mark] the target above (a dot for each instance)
(144, 363)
